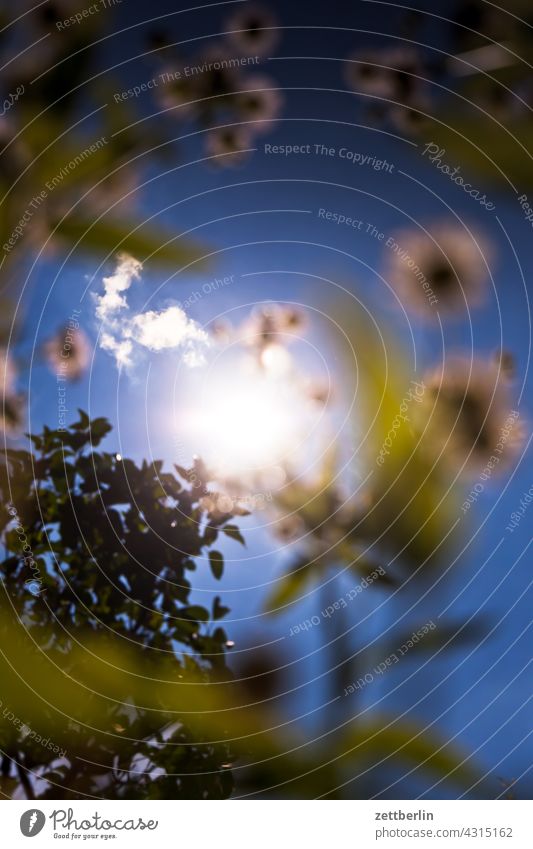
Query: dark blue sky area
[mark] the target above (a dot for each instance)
(270, 228)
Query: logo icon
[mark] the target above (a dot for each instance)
(32, 822)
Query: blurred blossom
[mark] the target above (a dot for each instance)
(49, 43)
(219, 506)
(219, 77)
(292, 320)
(157, 40)
(319, 392)
(11, 415)
(229, 145)
(276, 360)
(221, 331)
(207, 503)
(8, 372)
(176, 94)
(56, 10)
(447, 271)
(506, 362)
(273, 478)
(224, 504)
(363, 73)
(68, 353)
(12, 409)
(259, 101)
(469, 414)
(391, 73)
(267, 323)
(15, 154)
(289, 528)
(410, 118)
(253, 30)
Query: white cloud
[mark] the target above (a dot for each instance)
(167, 329)
(122, 350)
(122, 333)
(112, 301)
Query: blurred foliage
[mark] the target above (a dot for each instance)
(102, 649)
(71, 157)
(465, 85)
(404, 513)
(486, 124)
(75, 149)
(111, 545)
(104, 654)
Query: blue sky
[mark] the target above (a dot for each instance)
(267, 233)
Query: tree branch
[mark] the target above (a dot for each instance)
(25, 781)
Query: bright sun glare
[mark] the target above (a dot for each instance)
(246, 422)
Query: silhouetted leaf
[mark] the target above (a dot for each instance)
(216, 561)
(233, 532)
(218, 609)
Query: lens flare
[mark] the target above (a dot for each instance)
(246, 422)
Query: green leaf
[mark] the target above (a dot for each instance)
(218, 609)
(410, 744)
(233, 532)
(210, 535)
(445, 636)
(216, 561)
(199, 614)
(99, 428)
(289, 587)
(413, 503)
(497, 153)
(109, 236)
(83, 423)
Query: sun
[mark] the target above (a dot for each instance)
(245, 423)
(247, 417)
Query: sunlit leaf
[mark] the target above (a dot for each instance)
(107, 236)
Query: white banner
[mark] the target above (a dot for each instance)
(268, 824)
